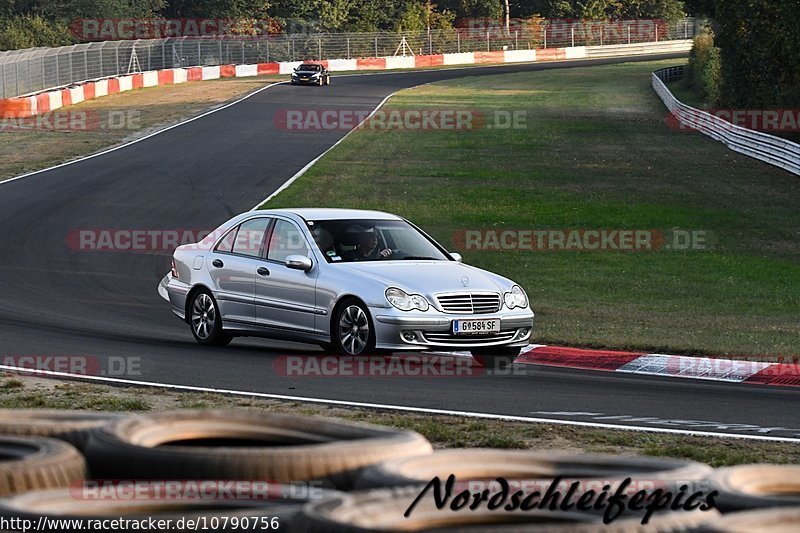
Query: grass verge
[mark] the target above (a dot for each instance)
(595, 153)
(442, 431)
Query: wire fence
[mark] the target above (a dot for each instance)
(32, 70)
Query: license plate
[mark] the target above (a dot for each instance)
(476, 327)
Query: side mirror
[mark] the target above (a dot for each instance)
(457, 257)
(298, 262)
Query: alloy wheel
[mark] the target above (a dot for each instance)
(353, 329)
(204, 316)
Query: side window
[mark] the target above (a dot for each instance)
(286, 240)
(226, 243)
(250, 236)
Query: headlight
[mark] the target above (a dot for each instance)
(406, 302)
(516, 298)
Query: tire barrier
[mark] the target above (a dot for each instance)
(323, 476)
(757, 486)
(244, 445)
(71, 426)
(781, 520)
(477, 464)
(29, 463)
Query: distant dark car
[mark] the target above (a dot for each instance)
(311, 74)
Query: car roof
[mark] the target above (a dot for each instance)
(321, 213)
(312, 213)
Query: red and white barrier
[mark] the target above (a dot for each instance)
(784, 373)
(26, 106)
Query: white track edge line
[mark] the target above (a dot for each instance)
(425, 410)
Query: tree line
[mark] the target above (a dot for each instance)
(30, 23)
(749, 57)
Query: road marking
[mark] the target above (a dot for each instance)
(674, 422)
(425, 410)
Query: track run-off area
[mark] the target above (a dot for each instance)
(104, 307)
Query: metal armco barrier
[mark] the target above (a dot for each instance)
(774, 150)
(621, 50)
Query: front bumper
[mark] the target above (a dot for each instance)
(398, 330)
(305, 81)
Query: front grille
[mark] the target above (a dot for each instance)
(451, 339)
(469, 303)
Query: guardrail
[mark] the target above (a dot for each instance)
(622, 50)
(774, 150)
(24, 72)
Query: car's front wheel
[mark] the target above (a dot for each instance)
(353, 333)
(495, 358)
(206, 321)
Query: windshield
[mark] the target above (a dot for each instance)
(310, 68)
(345, 241)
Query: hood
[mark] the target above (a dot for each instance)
(428, 277)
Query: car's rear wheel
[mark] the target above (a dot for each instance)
(353, 333)
(206, 321)
(495, 358)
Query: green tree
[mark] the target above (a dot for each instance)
(413, 18)
(759, 42)
(258, 9)
(29, 31)
(69, 10)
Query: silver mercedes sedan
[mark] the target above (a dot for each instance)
(351, 281)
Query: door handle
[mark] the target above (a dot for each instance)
(262, 271)
(217, 263)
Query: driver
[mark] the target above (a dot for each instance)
(367, 248)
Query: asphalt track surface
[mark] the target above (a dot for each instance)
(57, 301)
